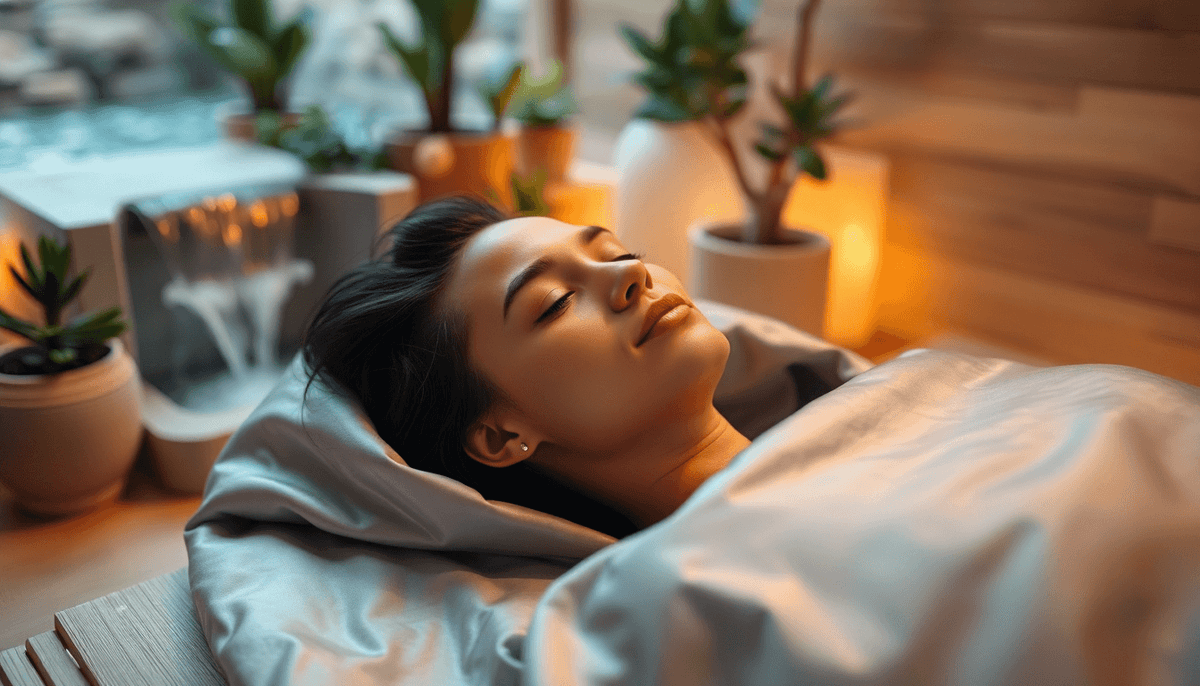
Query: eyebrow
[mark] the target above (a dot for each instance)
(542, 265)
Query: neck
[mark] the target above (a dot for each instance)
(651, 479)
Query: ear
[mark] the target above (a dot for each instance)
(491, 443)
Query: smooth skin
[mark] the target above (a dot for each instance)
(631, 425)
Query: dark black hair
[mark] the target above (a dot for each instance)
(383, 335)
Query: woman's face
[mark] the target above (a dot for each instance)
(592, 346)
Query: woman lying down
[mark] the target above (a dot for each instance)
(501, 460)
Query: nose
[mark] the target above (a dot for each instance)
(632, 280)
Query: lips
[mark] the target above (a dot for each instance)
(655, 312)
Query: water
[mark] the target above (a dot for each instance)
(231, 264)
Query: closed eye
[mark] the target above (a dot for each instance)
(628, 256)
(558, 305)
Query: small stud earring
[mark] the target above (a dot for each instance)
(524, 448)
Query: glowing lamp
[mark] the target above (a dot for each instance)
(848, 208)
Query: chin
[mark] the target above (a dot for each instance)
(695, 363)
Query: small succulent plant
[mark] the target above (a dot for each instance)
(249, 45)
(692, 74)
(315, 140)
(544, 100)
(57, 346)
(430, 62)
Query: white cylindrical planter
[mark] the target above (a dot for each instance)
(786, 281)
(70, 438)
(669, 176)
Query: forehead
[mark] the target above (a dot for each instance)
(495, 254)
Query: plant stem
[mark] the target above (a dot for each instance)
(719, 128)
(804, 20)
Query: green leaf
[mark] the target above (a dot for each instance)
(822, 87)
(810, 161)
(659, 108)
(32, 273)
(33, 293)
(96, 327)
(529, 192)
(642, 45)
(497, 90)
(767, 151)
(49, 299)
(252, 15)
(62, 355)
(454, 18)
(74, 287)
(18, 326)
(288, 45)
(54, 257)
(241, 52)
(97, 318)
(415, 60)
(191, 21)
(268, 125)
(834, 105)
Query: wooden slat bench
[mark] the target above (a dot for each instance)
(145, 635)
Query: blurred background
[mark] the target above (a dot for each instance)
(1041, 194)
(1044, 186)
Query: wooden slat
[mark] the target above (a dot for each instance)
(1176, 15)
(1132, 138)
(1079, 233)
(1056, 52)
(924, 294)
(1176, 223)
(16, 669)
(146, 635)
(52, 662)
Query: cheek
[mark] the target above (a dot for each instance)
(580, 386)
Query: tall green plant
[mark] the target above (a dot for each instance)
(430, 62)
(692, 73)
(250, 45)
(58, 346)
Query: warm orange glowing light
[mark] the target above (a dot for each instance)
(227, 202)
(289, 205)
(258, 214)
(232, 235)
(849, 210)
(167, 228)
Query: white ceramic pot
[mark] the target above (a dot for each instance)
(69, 439)
(787, 282)
(669, 176)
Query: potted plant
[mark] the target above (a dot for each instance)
(251, 46)
(69, 409)
(693, 74)
(314, 139)
(541, 105)
(445, 159)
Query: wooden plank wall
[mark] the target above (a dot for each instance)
(1045, 187)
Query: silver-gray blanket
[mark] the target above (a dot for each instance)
(936, 519)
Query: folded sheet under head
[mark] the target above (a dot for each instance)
(319, 556)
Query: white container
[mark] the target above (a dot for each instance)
(788, 282)
(669, 176)
(183, 444)
(70, 439)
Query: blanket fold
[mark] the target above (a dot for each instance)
(939, 519)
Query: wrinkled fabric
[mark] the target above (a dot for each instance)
(939, 519)
(319, 557)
